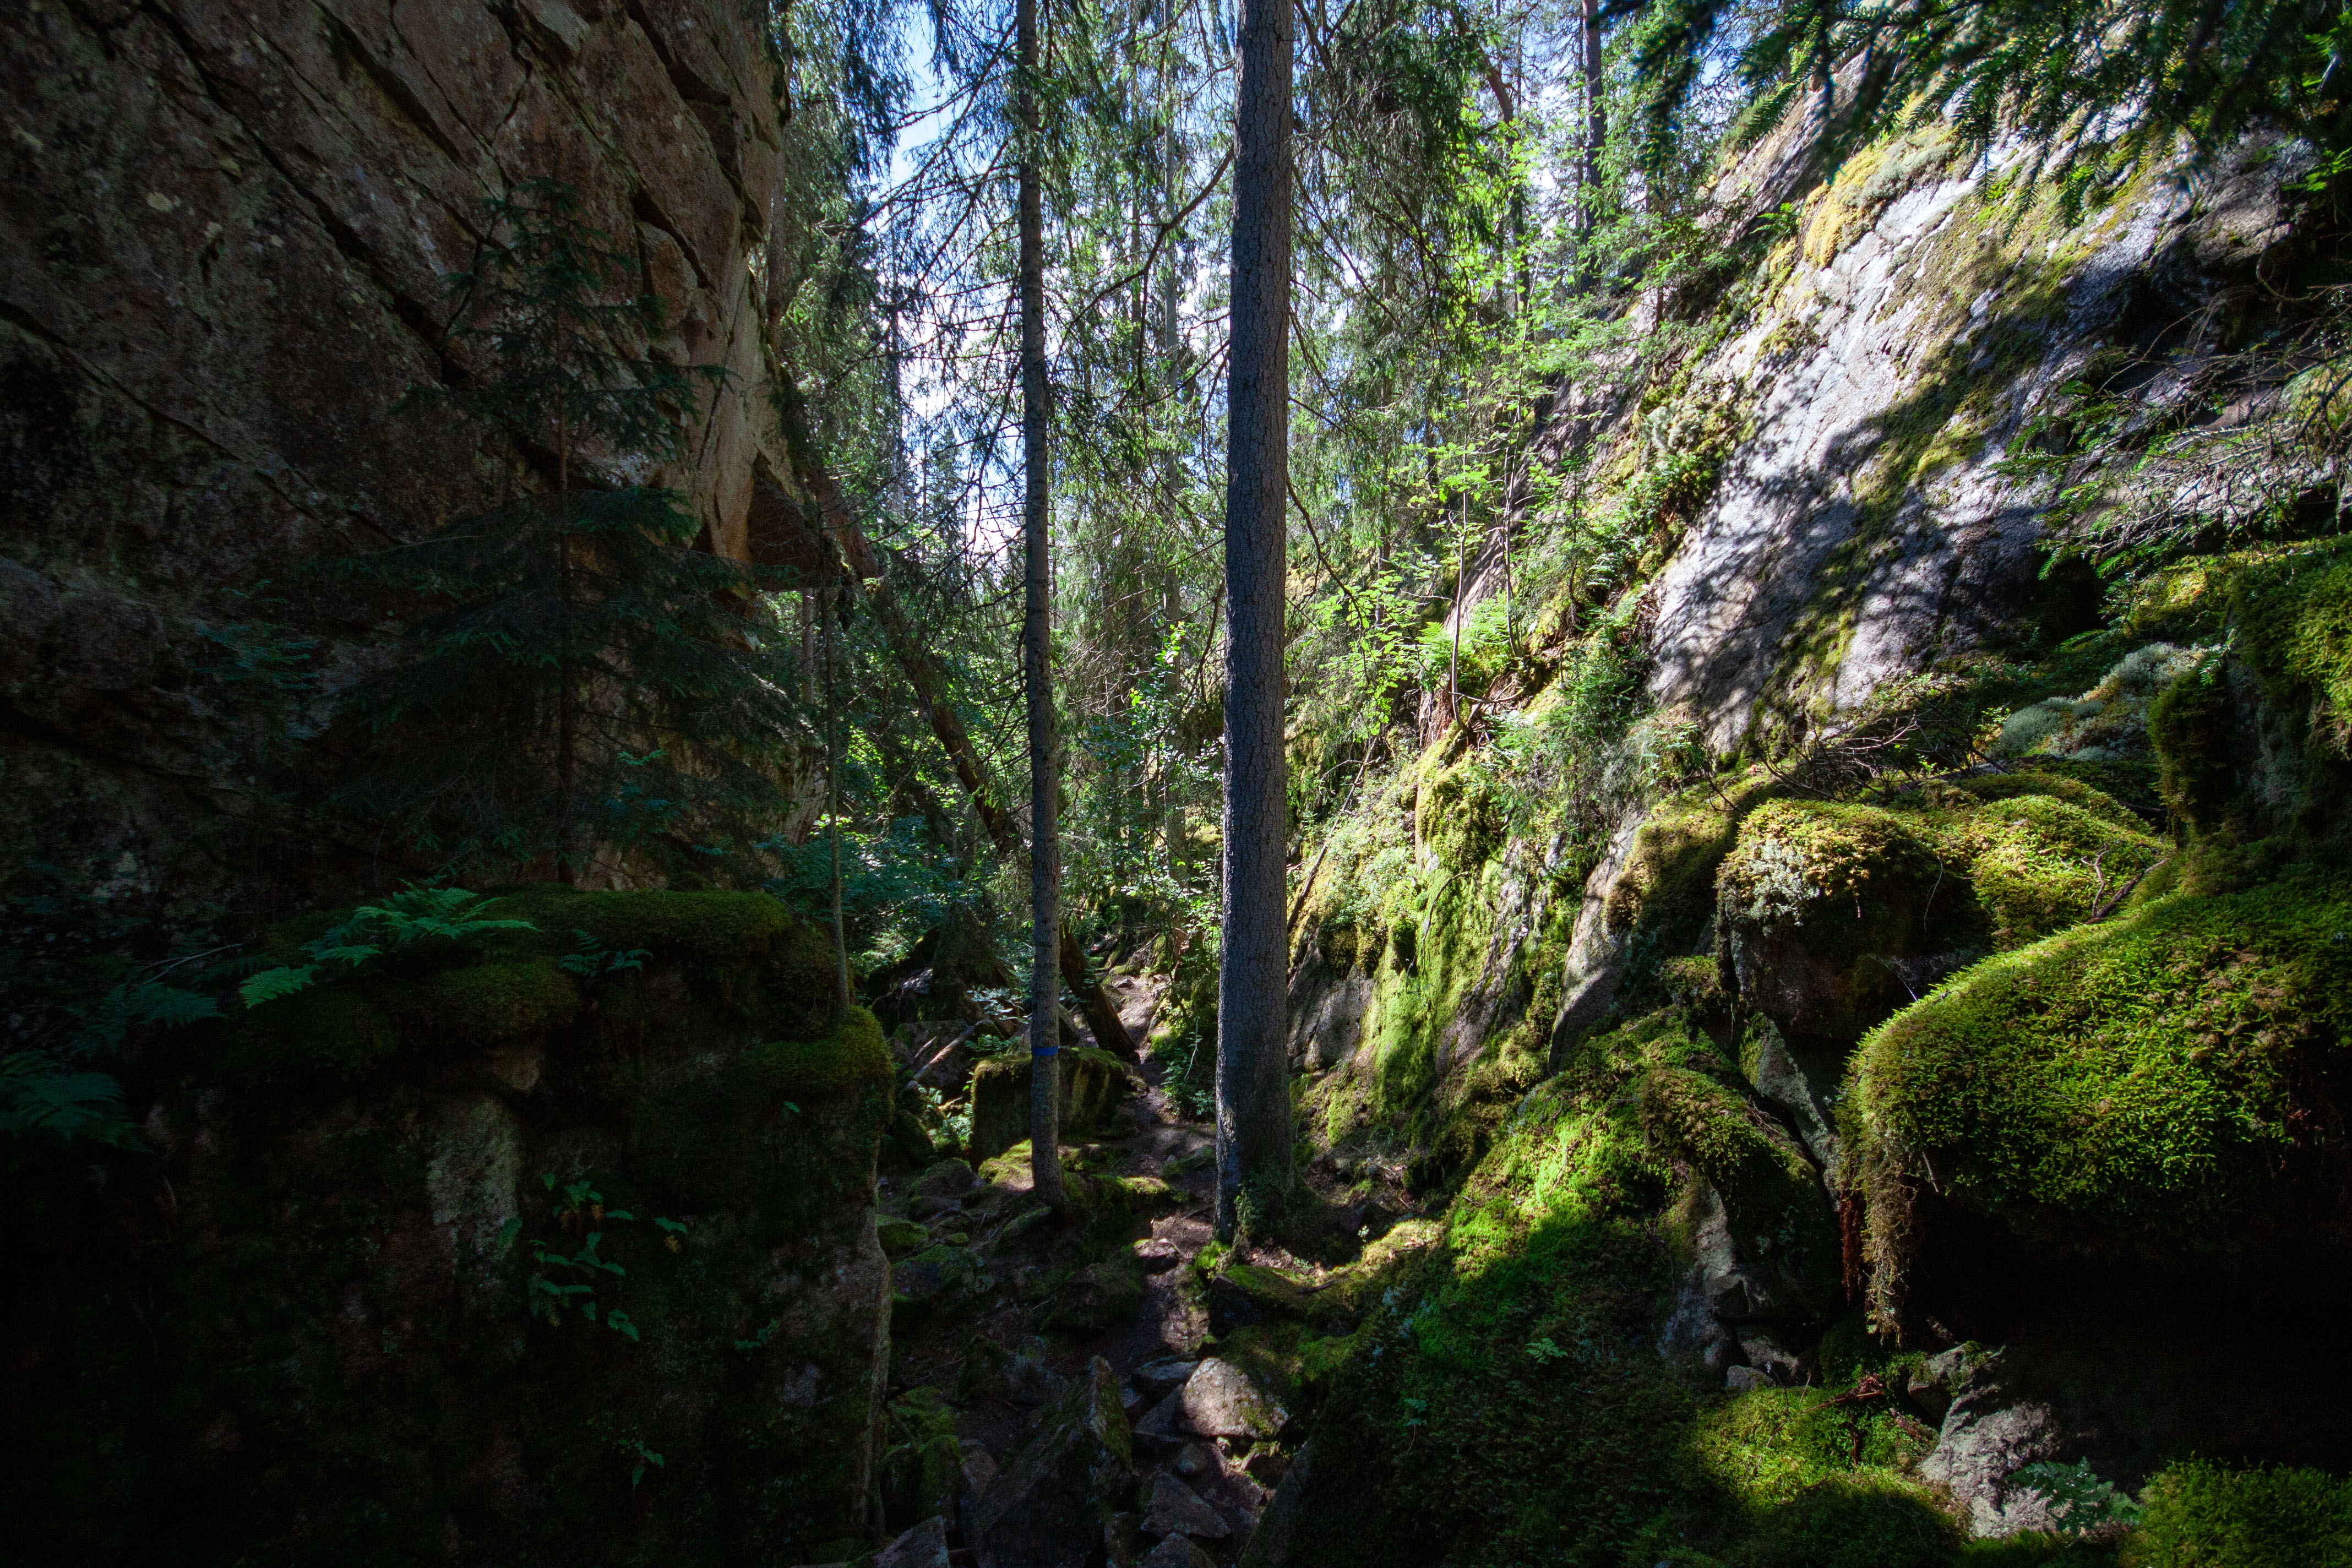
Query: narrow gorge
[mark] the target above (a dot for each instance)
(556, 1014)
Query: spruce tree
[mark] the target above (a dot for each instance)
(576, 680)
(1253, 1065)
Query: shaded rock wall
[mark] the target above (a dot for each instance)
(222, 262)
(331, 1322)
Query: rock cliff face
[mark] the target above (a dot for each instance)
(1765, 1071)
(223, 261)
(1862, 526)
(474, 1260)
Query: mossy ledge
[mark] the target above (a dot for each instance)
(853, 1056)
(2157, 1088)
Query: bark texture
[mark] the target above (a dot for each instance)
(1036, 641)
(1253, 1089)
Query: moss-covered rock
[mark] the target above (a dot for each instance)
(486, 1004)
(1092, 1081)
(2158, 1085)
(853, 1056)
(375, 1316)
(1834, 914)
(901, 1237)
(2201, 1514)
(1784, 1243)
(1821, 903)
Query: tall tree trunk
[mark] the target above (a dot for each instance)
(1036, 645)
(1252, 1070)
(567, 745)
(1596, 132)
(833, 795)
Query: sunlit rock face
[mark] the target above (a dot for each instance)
(1915, 319)
(224, 260)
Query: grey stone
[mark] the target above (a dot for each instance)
(1742, 1379)
(1177, 1552)
(977, 1474)
(1177, 1509)
(1693, 1339)
(1743, 1289)
(1801, 1082)
(925, 1546)
(1769, 1354)
(1269, 1544)
(1122, 1540)
(1197, 1459)
(1029, 1382)
(1050, 1502)
(1217, 1401)
(1989, 1435)
(1158, 1379)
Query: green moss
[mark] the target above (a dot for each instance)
(2295, 616)
(2127, 1088)
(486, 1003)
(2039, 863)
(335, 1030)
(851, 1058)
(901, 1237)
(1786, 1457)
(1668, 885)
(1771, 1197)
(2057, 780)
(1460, 816)
(922, 1467)
(706, 925)
(2204, 1515)
(2192, 724)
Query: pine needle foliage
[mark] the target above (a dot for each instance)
(577, 681)
(2094, 87)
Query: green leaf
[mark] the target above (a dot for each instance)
(273, 983)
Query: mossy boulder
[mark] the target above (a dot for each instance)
(852, 1057)
(2157, 1086)
(1241, 1294)
(384, 1184)
(1092, 1081)
(1831, 915)
(2201, 1514)
(1823, 905)
(1760, 1231)
(2258, 738)
(901, 1237)
(2039, 862)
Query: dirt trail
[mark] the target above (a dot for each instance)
(1150, 1137)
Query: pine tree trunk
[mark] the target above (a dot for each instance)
(841, 997)
(1252, 1076)
(1036, 652)
(567, 745)
(1596, 132)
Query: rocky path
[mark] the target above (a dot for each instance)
(1029, 1334)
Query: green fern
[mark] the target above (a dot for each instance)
(450, 914)
(43, 1102)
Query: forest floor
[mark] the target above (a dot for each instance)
(1014, 1293)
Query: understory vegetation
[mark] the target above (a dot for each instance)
(1816, 693)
